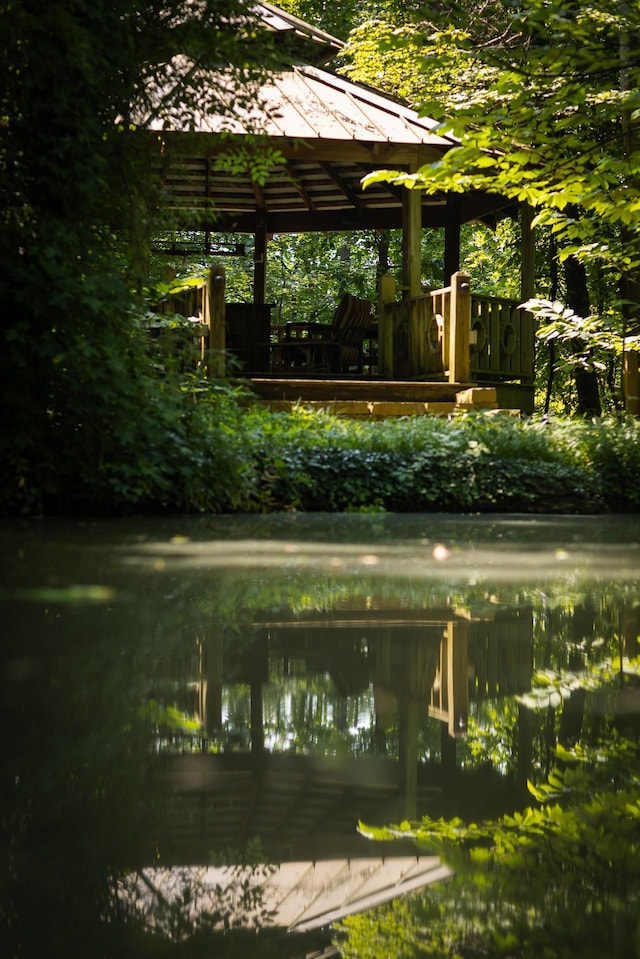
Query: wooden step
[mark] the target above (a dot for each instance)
(360, 409)
(363, 409)
(376, 400)
(368, 391)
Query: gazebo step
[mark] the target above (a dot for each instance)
(362, 409)
(365, 390)
(376, 400)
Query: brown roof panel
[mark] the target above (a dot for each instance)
(308, 103)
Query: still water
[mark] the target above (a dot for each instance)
(301, 735)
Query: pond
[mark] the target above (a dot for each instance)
(360, 735)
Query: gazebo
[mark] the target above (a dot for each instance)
(326, 134)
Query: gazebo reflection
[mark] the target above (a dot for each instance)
(319, 720)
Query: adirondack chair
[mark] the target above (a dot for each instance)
(331, 348)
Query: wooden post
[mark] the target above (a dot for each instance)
(411, 241)
(451, 238)
(408, 747)
(386, 296)
(459, 329)
(211, 675)
(260, 259)
(216, 320)
(458, 688)
(412, 273)
(527, 253)
(417, 339)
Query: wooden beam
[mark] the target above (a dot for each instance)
(297, 183)
(304, 221)
(377, 154)
(355, 199)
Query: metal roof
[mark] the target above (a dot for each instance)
(319, 45)
(328, 133)
(296, 896)
(309, 103)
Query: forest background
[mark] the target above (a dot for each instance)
(91, 422)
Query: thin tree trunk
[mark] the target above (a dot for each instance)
(383, 242)
(551, 344)
(586, 381)
(629, 281)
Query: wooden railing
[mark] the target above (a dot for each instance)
(204, 300)
(454, 333)
(502, 340)
(450, 333)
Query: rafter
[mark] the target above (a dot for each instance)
(345, 188)
(299, 186)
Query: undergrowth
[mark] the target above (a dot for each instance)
(206, 447)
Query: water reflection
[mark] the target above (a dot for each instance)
(201, 712)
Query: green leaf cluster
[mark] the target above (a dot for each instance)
(549, 118)
(547, 880)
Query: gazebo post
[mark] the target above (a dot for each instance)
(386, 296)
(411, 276)
(459, 328)
(411, 246)
(216, 320)
(451, 238)
(260, 259)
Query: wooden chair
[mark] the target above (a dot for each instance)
(331, 348)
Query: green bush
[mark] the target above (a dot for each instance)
(189, 445)
(475, 462)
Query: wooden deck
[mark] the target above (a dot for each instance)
(376, 398)
(431, 354)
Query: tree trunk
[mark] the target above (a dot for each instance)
(553, 296)
(383, 242)
(586, 381)
(630, 281)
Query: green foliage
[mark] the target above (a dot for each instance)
(542, 881)
(82, 406)
(474, 462)
(550, 687)
(201, 446)
(563, 325)
(308, 274)
(550, 104)
(95, 425)
(169, 718)
(544, 102)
